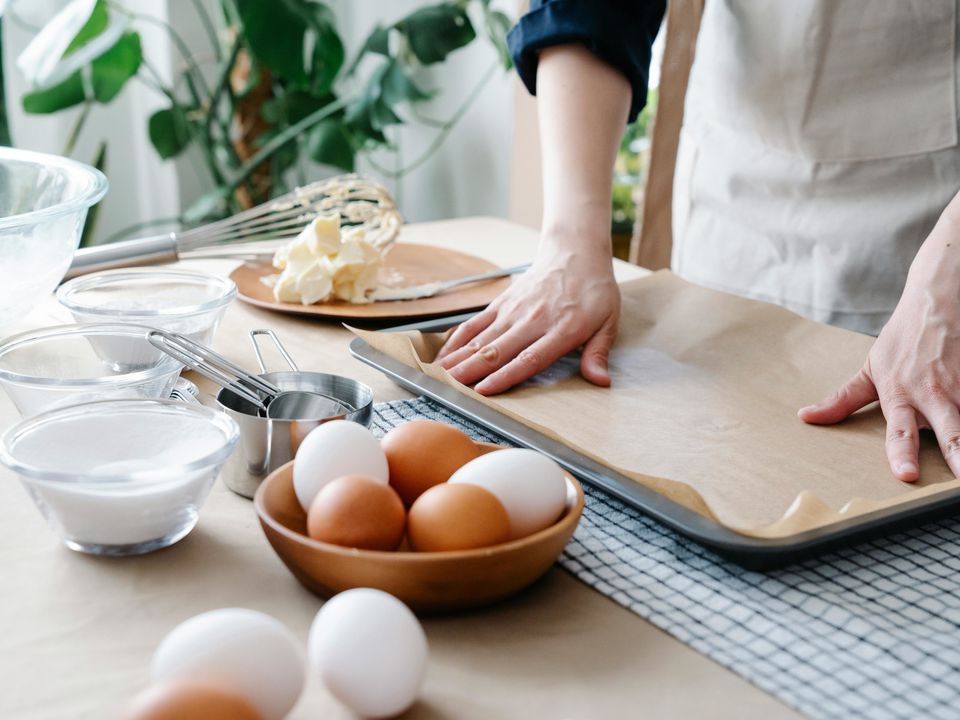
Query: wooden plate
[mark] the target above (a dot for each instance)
(406, 264)
(426, 581)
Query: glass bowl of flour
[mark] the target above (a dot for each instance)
(43, 204)
(183, 301)
(120, 477)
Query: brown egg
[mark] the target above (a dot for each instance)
(424, 453)
(189, 700)
(457, 517)
(359, 512)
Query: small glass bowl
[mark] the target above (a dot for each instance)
(120, 477)
(182, 301)
(69, 364)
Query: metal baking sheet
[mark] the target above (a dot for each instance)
(756, 553)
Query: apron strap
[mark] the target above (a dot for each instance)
(653, 240)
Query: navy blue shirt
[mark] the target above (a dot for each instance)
(620, 32)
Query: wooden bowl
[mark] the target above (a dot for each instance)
(426, 581)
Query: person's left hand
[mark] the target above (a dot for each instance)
(913, 368)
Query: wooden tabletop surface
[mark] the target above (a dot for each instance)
(78, 632)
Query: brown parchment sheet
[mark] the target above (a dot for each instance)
(703, 409)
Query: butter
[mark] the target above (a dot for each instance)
(323, 263)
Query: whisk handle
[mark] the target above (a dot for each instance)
(127, 253)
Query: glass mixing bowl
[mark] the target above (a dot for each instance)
(69, 364)
(120, 477)
(43, 203)
(182, 301)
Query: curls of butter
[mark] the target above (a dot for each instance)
(322, 263)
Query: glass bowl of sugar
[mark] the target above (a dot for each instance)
(183, 301)
(120, 477)
(70, 364)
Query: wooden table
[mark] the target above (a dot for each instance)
(78, 632)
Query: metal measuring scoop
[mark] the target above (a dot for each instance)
(296, 404)
(293, 404)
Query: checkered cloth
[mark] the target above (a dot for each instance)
(871, 631)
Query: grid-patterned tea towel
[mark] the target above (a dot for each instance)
(871, 631)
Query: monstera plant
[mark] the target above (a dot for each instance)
(282, 87)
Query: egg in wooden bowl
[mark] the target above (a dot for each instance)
(427, 581)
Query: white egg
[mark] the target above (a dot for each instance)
(531, 486)
(246, 651)
(335, 449)
(370, 651)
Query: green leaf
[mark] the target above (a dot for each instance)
(108, 72)
(497, 25)
(6, 139)
(437, 30)
(378, 41)
(112, 69)
(96, 24)
(370, 114)
(329, 143)
(292, 106)
(170, 131)
(275, 33)
(66, 94)
(327, 59)
(93, 214)
(397, 86)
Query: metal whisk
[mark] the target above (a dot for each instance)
(359, 201)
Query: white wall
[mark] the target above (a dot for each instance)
(468, 176)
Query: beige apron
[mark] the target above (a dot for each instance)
(818, 148)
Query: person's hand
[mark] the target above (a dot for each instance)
(913, 368)
(566, 299)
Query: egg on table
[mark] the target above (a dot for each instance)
(530, 485)
(425, 453)
(189, 700)
(370, 651)
(357, 511)
(457, 517)
(332, 450)
(241, 651)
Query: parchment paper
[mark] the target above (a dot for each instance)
(703, 408)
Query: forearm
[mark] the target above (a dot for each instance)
(936, 267)
(583, 105)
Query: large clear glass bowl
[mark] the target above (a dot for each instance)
(183, 301)
(70, 364)
(120, 477)
(43, 203)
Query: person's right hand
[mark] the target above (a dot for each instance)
(567, 299)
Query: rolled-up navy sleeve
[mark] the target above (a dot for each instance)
(619, 32)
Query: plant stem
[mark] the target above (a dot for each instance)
(223, 80)
(182, 48)
(20, 22)
(281, 139)
(208, 27)
(78, 124)
(428, 121)
(153, 84)
(157, 81)
(444, 130)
